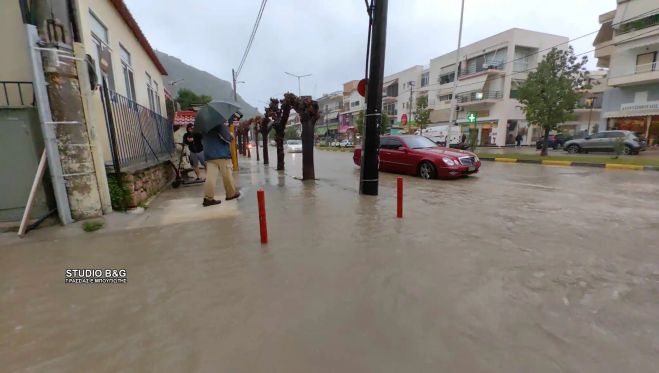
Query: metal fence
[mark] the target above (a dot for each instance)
(16, 94)
(139, 137)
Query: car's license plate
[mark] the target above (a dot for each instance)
(472, 168)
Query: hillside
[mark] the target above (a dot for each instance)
(200, 82)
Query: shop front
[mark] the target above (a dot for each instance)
(646, 127)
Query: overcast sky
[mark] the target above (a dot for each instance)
(327, 38)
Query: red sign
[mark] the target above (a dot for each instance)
(403, 119)
(361, 88)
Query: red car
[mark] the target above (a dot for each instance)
(417, 155)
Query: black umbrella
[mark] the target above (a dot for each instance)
(214, 114)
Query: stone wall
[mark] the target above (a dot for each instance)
(142, 184)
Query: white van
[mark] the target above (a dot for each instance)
(438, 133)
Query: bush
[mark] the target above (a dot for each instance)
(119, 194)
(91, 226)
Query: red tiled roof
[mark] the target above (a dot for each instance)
(132, 24)
(183, 118)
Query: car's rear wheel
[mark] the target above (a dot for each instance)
(573, 149)
(628, 150)
(427, 170)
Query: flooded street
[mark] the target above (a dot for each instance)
(521, 268)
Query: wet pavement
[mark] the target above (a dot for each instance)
(522, 268)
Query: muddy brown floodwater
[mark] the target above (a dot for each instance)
(522, 268)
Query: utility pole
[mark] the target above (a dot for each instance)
(299, 91)
(453, 114)
(368, 177)
(235, 93)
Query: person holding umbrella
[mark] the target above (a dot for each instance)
(212, 121)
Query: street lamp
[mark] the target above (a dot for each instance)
(299, 93)
(175, 82)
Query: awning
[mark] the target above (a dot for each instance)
(605, 33)
(388, 83)
(472, 84)
(321, 130)
(634, 9)
(630, 113)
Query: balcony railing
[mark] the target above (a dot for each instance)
(646, 68)
(476, 96)
(474, 69)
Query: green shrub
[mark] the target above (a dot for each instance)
(119, 194)
(91, 226)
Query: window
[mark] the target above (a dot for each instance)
(128, 73)
(156, 90)
(389, 108)
(447, 77)
(646, 62)
(391, 90)
(425, 79)
(354, 103)
(419, 142)
(101, 51)
(514, 87)
(447, 97)
(149, 92)
(390, 143)
(522, 58)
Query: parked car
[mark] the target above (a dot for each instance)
(294, 146)
(417, 155)
(273, 143)
(605, 141)
(555, 141)
(346, 144)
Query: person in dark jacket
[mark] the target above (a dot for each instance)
(217, 151)
(518, 140)
(193, 141)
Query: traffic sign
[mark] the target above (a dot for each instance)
(403, 119)
(361, 88)
(472, 117)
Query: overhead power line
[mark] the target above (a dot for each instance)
(251, 37)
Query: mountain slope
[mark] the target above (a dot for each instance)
(200, 82)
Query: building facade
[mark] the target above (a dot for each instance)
(628, 45)
(330, 125)
(488, 73)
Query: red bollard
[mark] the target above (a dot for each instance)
(260, 194)
(399, 190)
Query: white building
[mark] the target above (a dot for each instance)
(488, 74)
(628, 44)
(398, 94)
(331, 105)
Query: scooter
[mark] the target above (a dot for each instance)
(180, 178)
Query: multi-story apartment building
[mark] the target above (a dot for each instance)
(353, 103)
(488, 73)
(398, 94)
(628, 44)
(587, 114)
(328, 125)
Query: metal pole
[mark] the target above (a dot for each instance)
(452, 115)
(590, 115)
(368, 178)
(409, 119)
(235, 93)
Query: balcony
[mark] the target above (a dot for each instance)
(493, 67)
(636, 74)
(478, 97)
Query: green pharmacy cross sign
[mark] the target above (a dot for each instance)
(472, 117)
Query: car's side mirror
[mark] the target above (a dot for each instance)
(402, 148)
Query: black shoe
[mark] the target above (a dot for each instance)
(211, 202)
(234, 196)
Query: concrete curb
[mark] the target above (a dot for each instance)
(332, 149)
(612, 166)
